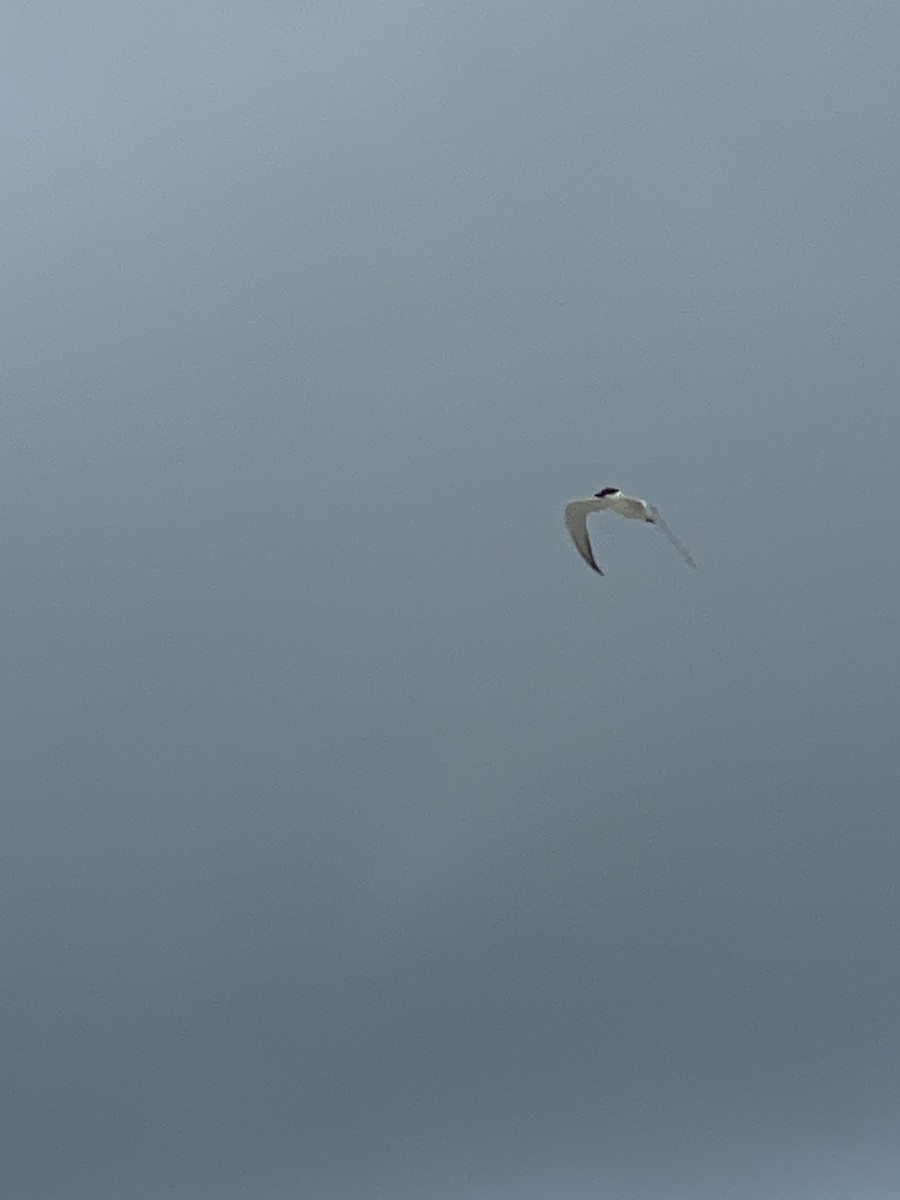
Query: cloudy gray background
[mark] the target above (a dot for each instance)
(357, 841)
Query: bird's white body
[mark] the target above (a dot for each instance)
(630, 507)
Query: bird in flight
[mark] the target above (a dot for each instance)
(626, 506)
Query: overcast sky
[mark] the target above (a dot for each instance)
(357, 840)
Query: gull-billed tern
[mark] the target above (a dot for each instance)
(610, 498)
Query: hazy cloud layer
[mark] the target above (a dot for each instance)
(357, 840)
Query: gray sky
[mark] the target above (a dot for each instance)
(357, 840)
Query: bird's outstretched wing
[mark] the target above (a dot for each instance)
(576, 523)
(679, 546)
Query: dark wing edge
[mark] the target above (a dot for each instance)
(586, 551)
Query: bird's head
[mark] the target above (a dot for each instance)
(606, 492)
